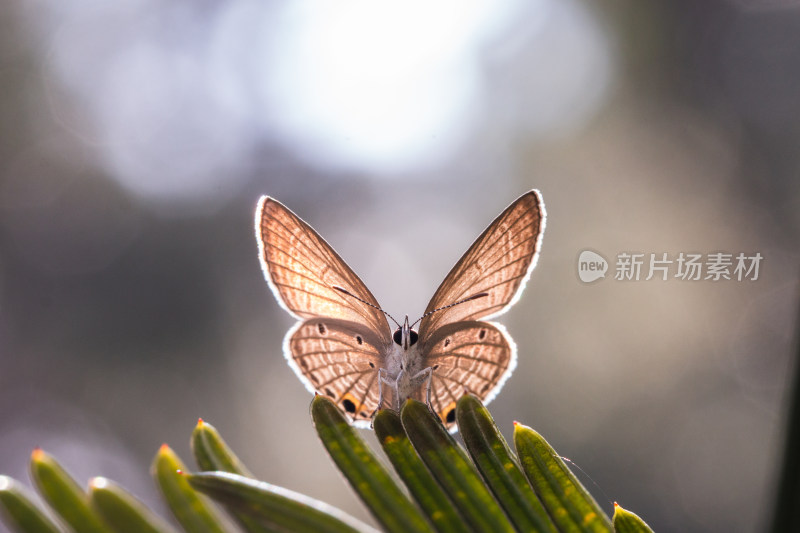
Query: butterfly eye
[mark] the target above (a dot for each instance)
(398, 337)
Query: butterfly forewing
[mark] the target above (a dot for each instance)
(342, 347)
(498, 263)
(339, 359)
(303, 270)
(474, 357)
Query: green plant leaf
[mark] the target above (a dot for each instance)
(569, 504)
(191, 509)
(408, 465)
(18, 510)
(628, 522)
(212, 453)
(63, 494)
(278, 508)
(450, 466)
(498, 466)
(123, 512)
(366, 475)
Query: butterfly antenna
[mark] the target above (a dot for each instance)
(448, 306)
(345, 291)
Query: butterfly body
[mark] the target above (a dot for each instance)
(407, 368)
(342, 345)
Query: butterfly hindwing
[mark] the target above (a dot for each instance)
(302, 270)
(498, 263)
(339, 359)
(470, 356)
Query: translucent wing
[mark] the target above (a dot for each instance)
(339, 359)
(302, 270)
(475, 357)
(498, 263)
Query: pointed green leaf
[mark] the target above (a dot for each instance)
(19, 512)
(212, 453)
(628, 522)
(499, 467)
(415, 474)
(64, 494)
(123, 512)
(366, 474)
(450, 466)
(192, 510)
(570, 505)
(280, 509)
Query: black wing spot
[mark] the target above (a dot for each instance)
(349, 406)
(436, 367)
(329, 393)
(447, 342)
(359, 339)
(451, 416)
(314, 379)
(321, 328)
(371, 364)
(482, 334)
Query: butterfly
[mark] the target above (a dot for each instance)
(343, 346)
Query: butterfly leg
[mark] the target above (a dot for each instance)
(427, 376)
(383, 380)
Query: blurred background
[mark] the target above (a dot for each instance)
(136, 137)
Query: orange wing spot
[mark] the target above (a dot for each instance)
(350, 404)
(448, 414)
